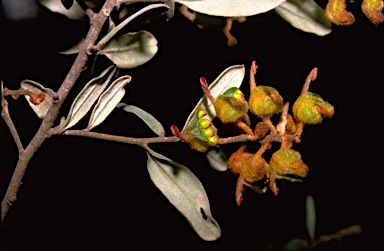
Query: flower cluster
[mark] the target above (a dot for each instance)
(231, 107)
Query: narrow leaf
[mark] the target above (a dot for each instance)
(231, 8)
(131, 50)
(113, 32)
(108, 101)
(151, 121)
(42, 107)
(231, 77)
(305, 15)
(88, 96)
(184, 190)
(217, 159)
(311, 216)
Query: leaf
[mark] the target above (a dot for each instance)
(153, 123)
(231, 8)
(75, 12)
(87, 97)
(108, 101)
(74, 49)
(231, 77)
(184, 190)
(311, 216)
(131, 50)
(217, 159)
(42, 108)
(305, 15)
(296, 245)
(115, 30)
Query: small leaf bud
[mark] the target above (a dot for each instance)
(265, 101)
(311, 108)
(288, 162)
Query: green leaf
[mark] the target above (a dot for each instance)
(131, 50)
(113, 32)
(217, 159)
(305, 15)
(184, 190)
(151, 121)
(108, 101)
(296, 245)
(231, 8)
(42, 108)
(311, 216)
(231, 77)
(87, 97)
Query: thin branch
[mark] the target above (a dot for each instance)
(121, 139)
(9, 122)
(345, 232)
(44, 131)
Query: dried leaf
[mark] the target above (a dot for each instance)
(231, 77)
(151, 121)
(40, 109)
(184, 190)
(217, 159)
(231, 8)
(108, 101)
(131, 50)
(87, 97)
(305, 15)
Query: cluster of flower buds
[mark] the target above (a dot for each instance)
(336, 12)
(252, 169)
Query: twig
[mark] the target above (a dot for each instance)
(345, 232)
(43, 132)
(121, 139)
(9, 122)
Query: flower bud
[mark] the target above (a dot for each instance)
(373, 10)
(288, 162)
(231, 106)
(336, 13)
(200, 133)
(251, 167)
(311, 108)
(265, 101)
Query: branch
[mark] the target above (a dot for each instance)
(9, 122)
(121, 139)
(345, 232)
(43, 132)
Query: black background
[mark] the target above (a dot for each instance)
(88, 194)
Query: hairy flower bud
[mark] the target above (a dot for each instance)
(373, 10)
(311, 108)
(251, 167)
(336, 13)
(288, 162)
(231, 106)
(265, 101)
